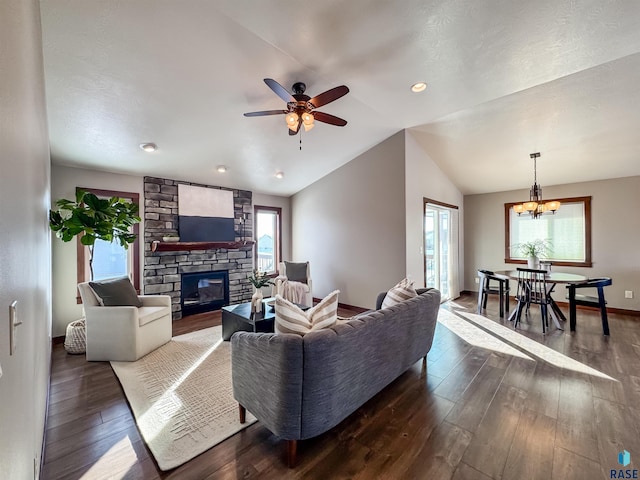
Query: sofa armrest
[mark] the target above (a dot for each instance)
(266, 370)
(155, 300)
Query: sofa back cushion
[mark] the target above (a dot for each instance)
(291, 319)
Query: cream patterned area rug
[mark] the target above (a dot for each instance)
(181, 396)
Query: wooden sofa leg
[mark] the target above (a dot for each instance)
(243, 413)
(292, 451)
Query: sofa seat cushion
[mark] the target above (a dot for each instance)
(402, 291)
(291, 319)
(149, 314)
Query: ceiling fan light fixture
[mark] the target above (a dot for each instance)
(418, 87)
(292, 120)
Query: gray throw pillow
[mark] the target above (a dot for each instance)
(296, 272)
(116, 292)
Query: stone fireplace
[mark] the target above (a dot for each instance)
(167, 263)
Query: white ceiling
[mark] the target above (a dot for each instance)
(506, 78)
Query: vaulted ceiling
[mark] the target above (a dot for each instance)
(505, 78)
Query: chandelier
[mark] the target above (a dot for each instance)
(536, 206)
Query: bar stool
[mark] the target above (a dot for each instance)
(486, 289)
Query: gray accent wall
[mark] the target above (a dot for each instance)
(615, 226)
(351, 225)
(25, 241)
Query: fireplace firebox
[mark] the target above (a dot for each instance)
(204, 291)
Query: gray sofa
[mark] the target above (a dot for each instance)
(301, 386)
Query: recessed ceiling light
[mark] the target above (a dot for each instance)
(279, 174)
(418, 87)
(221, 168)
(149, 147)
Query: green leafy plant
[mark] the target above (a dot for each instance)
(94, 218)
(536, 248)
(260, 279)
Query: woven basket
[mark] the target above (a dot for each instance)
(76, 339)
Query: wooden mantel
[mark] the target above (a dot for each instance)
(157, 246)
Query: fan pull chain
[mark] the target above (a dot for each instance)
(300, 139)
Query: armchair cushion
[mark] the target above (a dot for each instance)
(116, 292)
(296, 272)
(149, 314)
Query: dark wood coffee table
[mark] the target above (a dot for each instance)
(238, 318)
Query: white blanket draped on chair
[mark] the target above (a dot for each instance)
(295, 292)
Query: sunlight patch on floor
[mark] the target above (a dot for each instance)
(126, 457)
(476, 336)
(543, 352)
(169, 400)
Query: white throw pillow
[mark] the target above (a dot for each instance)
(291, 319)
(402, 291)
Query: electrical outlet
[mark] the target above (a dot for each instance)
(628, 294)
(477, 280)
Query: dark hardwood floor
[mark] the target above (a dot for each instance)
(498, 405)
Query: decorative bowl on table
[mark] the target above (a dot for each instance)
(271, 304)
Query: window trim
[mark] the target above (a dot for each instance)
(81, 249)
(278, 240)
(587, 233)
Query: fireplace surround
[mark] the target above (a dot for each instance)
(164, 269)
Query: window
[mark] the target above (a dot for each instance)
(568, 231)
(110, 259)
(268, 233)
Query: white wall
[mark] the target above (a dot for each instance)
(285, 204)
(64, 181)
(615, 226)
(351, 225)
(424, 179)
(25, 258)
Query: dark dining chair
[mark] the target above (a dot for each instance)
(532, 289)
(500, 287)
(589, 301)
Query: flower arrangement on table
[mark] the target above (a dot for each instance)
(536, 248)
(260, 279)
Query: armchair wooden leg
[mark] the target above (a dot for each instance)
(292, 451)
(243, 413)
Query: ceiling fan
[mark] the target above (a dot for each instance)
(301, 108)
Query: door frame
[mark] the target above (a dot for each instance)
(438, 203)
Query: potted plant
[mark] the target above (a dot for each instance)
(534, 250)
(107, 219)
(258, 280)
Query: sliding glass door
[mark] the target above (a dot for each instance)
(441, 248)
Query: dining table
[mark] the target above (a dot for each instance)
(552, 278)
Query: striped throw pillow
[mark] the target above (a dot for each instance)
(402, 291)
(291, 319)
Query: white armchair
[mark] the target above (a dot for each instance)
(295, 285)
(125, 333)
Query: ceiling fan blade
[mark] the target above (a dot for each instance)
(330, 119)
(265, 112)
(279, 90)
(292, 132)
(329, 96)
